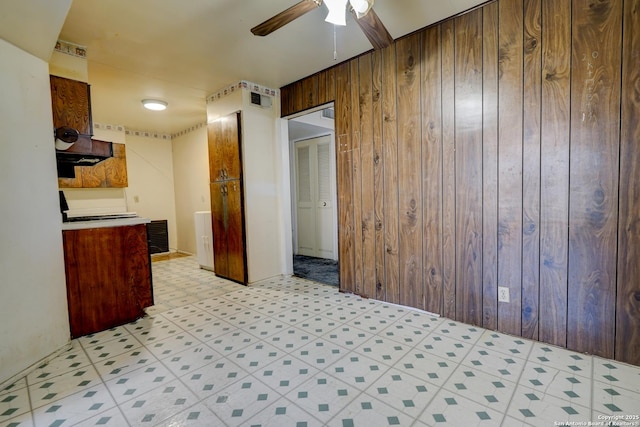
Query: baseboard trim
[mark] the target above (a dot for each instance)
(13, 379)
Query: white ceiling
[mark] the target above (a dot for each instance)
(182, 51)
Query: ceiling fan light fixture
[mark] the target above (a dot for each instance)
(154, 104)
(337, 12)
(361, 7)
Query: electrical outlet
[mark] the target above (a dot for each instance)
(503, 294)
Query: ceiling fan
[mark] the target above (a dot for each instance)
(362, 10)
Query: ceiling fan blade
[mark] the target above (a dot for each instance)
(374, 29)
(284, 17)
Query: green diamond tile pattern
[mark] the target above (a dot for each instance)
(323, 392)
(366, 411)
(288, 351)
(618, 375)
(614, 400)
(283, 413)
(159, 404)
(448, 408)
(540, 408)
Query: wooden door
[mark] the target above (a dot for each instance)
(305, 212)
(225, 168)
(231, 143)
(219, 229)
(224, 148)
(314, 201)
(236, 260)
(216, 163)
(324, 199)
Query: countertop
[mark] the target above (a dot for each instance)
(116, 222)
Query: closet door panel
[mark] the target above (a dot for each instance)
(235, 232)
(218, 222)
(231, 143)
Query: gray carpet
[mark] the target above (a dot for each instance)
(316, 269)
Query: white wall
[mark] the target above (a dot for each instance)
(33, 303)
(191, 171)
(263, 215)
(151, 181)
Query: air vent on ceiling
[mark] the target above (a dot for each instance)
(260, 100)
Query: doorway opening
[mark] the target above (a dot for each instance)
(314, 196)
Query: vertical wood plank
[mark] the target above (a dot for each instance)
(554, 190)
(593, 198)
(310, 91)
(345, 178)
(468, 129)
(510, 164)
(448, 171)
(298, 100)
(490, 167)
(356, 136)
(390, 145)
(432, 169)
(531, 169)
(367, 171)
(286, 95)
(326, 86)
(331, 84)
(378, 179)
(409, 170)
(628, 301)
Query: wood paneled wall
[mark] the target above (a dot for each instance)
(500, 148)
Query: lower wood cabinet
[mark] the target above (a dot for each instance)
(108, 272)
(228, 230)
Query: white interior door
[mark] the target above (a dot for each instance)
(315, 215)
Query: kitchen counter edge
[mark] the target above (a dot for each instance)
(118, 222)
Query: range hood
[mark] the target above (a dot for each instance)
(74, 149)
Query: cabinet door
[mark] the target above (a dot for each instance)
(224, 148)
(219, 228)
(232, 142)
(108, 276)
(71, 104)
(216, 149)
(235, 232)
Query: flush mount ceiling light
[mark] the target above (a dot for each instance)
(154, 104)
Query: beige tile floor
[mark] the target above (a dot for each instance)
(290, 352)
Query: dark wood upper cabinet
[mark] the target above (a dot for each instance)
(71, 103)
(83, 164)
(224, 149)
